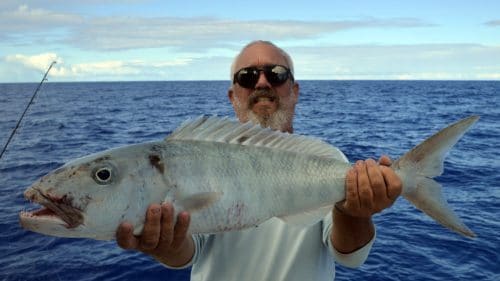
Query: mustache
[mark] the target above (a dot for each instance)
(253, 98)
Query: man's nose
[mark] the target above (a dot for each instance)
(262, 82)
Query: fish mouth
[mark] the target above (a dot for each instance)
(55, 209)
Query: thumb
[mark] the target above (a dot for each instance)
(385, 160)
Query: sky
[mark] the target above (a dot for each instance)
(154, 40)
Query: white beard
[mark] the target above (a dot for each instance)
(275, 121)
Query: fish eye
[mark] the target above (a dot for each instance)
(102, 175)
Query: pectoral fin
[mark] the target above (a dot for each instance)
(199, 201)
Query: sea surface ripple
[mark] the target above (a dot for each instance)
(363, 118)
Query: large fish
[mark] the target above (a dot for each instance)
(228, 175)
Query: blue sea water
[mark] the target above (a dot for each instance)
(363, 118)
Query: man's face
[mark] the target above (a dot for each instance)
(264, 104)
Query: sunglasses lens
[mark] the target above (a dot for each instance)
(247, 77)
(275, 74)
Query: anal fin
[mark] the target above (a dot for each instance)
(307, 218)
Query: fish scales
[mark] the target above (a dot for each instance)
(282, 182)
(228, 175)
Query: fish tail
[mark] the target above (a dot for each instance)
(419, 166)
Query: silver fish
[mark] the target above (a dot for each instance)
(228, 175)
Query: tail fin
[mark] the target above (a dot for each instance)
(425, 161)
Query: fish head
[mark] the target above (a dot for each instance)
(89, 197)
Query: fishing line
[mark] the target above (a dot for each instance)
(25, 110)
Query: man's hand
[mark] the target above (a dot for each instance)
(370, 188)
(161, 238)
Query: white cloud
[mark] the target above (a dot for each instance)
(118, 33)
(26, 25)
(26, 19)
(488, 76)
(424, 61)
(97, 70)
(135, 48)
(493, 23)
(428, 61)
(38, 62)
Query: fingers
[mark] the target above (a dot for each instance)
(392, 180)
(167, 225)
(125, 237)
(370, 187)
(160, 232)
(180, 231)
(385, 161)
(152, 226)
(351, 193)
(377, 183)
(394, 186)
(364, 188)
(359, 195)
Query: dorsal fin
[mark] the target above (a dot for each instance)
(224, 130)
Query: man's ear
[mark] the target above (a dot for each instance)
(230, 94)
(295, 90)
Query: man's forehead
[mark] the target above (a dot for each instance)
(260, 54)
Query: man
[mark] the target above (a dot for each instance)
(264, 91)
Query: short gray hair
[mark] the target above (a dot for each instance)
(285, 55)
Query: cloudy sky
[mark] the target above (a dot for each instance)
(131, 40)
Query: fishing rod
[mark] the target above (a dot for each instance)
(26, 109)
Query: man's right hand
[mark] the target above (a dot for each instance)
(161, 238)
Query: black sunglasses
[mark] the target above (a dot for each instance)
(275, 74)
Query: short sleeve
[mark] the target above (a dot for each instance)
(354, 259)
(199, 241)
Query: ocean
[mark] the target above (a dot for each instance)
(363, 118)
